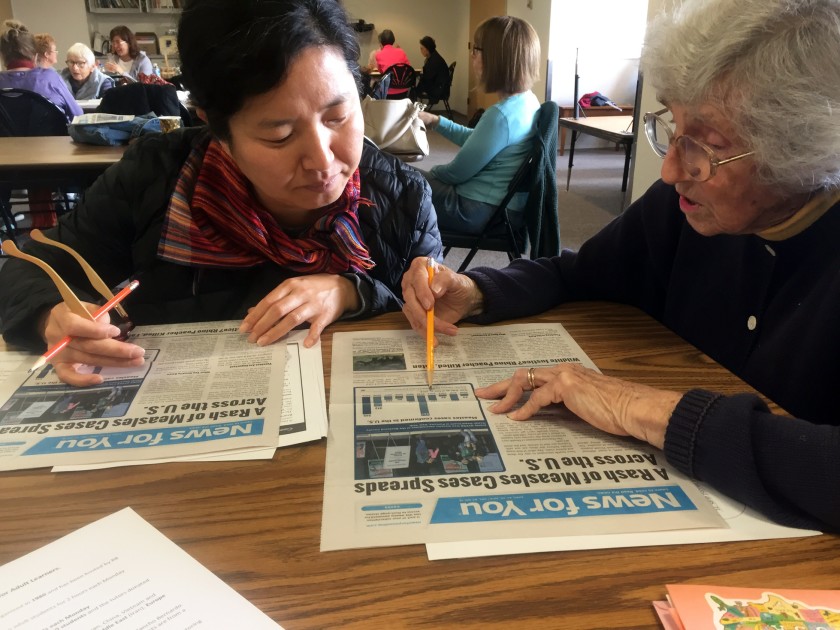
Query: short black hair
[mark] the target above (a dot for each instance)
(231, 50)
(428, 43)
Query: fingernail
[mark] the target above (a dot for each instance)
(113, 331)
(138, 353)
(245, 327)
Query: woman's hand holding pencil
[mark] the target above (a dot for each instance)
(88, 342)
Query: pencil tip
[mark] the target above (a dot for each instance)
(38, 364)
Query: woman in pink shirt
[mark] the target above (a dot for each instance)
(388, 55)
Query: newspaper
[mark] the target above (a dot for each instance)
(304, 416)
(101, 119)
(202, 388)
(406, 464)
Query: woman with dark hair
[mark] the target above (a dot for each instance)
(18, 52)
(467, 190)
(277, 211)
(126, 58)
(434, 82)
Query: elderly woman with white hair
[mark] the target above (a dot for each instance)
(735, 250)
(82, 76)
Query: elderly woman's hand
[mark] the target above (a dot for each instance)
(319, 299)
(453, 295)
(92, 343)
(607, 403)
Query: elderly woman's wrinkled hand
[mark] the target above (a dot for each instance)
(319, 299)
(453, 295)
(92, 343)
(607, 403)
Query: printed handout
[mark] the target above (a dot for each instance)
(119, 572)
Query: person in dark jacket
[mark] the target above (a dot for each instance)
(434, 81)
(277, 211)
(735, 250)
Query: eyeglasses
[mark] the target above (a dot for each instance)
(698, 159)
(76, 64)
(476, 50)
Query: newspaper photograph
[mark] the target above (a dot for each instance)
(202, 388)
(407, 464)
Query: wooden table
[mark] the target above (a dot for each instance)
(616, 129)
(568, 111)
(257, 525)
(50, 163)
(47, 158)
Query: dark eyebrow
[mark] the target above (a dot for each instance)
(280, 122)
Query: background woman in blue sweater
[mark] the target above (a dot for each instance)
(465, 192)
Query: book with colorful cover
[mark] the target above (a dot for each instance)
(701, 607)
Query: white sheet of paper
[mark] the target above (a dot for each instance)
(119, 572)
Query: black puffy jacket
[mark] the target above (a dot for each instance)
(117, 229)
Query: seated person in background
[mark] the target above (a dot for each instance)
(388, 55)
(82, 76)
(434, 82)
(277, 211)
(17, 49)
(466, 191)
(46, 51)
(126, 58)
(735, 250)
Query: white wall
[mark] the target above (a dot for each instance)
(65, 20)
(538, 14)
(607, 36)
(646, 164)
(447, 21)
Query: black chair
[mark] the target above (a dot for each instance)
(539, 228)
(403, 76)
(141, 98)
(431, 101)
(24, 113)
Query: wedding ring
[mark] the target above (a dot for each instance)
(531, 382)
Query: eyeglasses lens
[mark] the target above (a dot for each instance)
(658, 133)
(695, 159)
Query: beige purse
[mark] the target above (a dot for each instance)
(395, 127)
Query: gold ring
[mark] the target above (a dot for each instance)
(531, 379)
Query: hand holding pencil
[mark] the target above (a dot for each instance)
(73, 340)
(452, 296)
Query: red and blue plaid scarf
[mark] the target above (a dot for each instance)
(215, 220)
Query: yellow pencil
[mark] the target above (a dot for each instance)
(430, 328)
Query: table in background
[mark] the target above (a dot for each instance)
(48, 158)
(89, 105)
(257, 524)
(568, 111)
(618, 129)
(51, 162)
